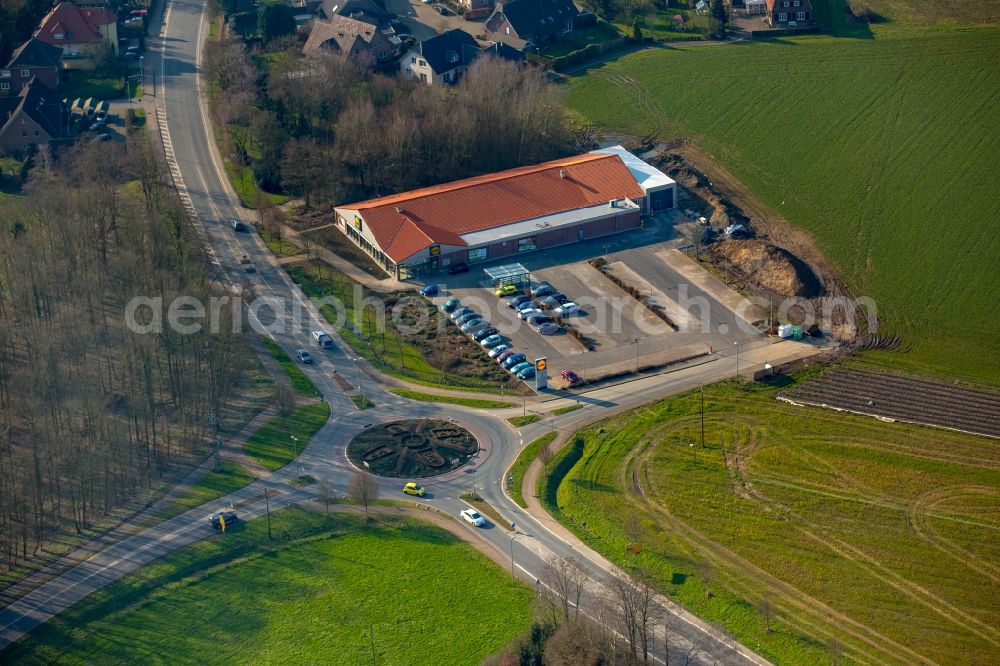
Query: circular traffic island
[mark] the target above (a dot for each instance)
(412, 448)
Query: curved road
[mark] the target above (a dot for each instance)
(197, 171)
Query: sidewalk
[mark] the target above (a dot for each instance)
(384, 286)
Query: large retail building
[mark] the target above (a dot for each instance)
(501, 215)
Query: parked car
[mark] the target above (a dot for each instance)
(549, 328)
(504, 355)
(468, 316)
(491, 341)
(458, 268)
(567, 309)
(450, 305)
(484, 333)
(518, 300)
(542, 289)
(98, 126)
(570, 376)
(506, 290)
(472, 516)
(527, 373)
(524, 305)
(549, 302)
(429, 290)
(474, 325)
(216, 520)
(101, 116)
(304, 356)
(529, 312)
(442, 10)
(536, 321)
(322, 339)
(415, 489)
(518, 367)
(238, 226)
(460, 312)
(513, 360)
(497, 350)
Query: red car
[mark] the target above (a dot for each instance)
(503, 356)
(570, 376)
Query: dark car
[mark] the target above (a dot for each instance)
(429, 290)
(216, 520)
(304, 356)
(570, 376)
(542, 289)
(467, 317)
(513, 360)
(549, 302)
(458, 268)
(518, 300)
(238, 226)
(450, 305)
(442, 10)
(485, 333)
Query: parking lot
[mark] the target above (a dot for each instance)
(623, 332)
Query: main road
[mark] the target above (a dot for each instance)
(197, 171)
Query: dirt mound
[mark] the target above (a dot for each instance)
(772, 268)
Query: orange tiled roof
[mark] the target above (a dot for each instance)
(77, 25)
(405, 223)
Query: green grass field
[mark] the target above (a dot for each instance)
(311, 596)
(882, 535)
(232, 476)
(520, 466)
(884, 149)
(272, 445)
(478, 403)
(300, 382)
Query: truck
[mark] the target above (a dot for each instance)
(322, 339)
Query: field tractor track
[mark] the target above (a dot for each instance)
(807, 615)
(921, 512)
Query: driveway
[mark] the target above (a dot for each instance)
(424, 21)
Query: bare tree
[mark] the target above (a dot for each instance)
(363, 489)
(765, 608)
(634, 598)
(326, 495)
(284, 398)
(565, 578)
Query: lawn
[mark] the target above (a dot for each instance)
(520, 466)
(659, 26)
(361, 402)
(272, 445)
(884, 149)
(318, 593)
(232, 476)
(567, 409)
(84, 84)
(597, 34)
(891, 527)
(302, 384)
(451, 400)
(519, 421)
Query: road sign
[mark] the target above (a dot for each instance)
(541, 373)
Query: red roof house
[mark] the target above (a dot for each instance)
(79, 30)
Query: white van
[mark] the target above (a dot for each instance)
(322, 339)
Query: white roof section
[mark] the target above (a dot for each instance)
(648, 176)
(549, 222)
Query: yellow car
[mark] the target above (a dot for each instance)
(506, 290)
(413, 489)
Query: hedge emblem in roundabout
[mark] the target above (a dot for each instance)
(412, 448)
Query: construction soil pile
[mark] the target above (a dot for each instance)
(768, 267)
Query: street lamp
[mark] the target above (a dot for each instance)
(296, 445)
(636, 341)
(513, 580)
(142, 77)
(737, 343)
(358, 366)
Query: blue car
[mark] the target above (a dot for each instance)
(450, 305)
(429, 290)
(523, 365)
(527, 373)
(468, 316)
(513, 360)
(524, 306)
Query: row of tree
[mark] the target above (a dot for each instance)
(328, 130)
(92, 414)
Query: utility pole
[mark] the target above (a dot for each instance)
(267, 505)
(637, 355)
(512, 578)
(737, 343)
(702, 416)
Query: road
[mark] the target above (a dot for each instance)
(197, 171)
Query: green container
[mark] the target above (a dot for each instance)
(796, 332)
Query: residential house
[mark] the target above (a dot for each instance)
(356, 39)
(505, 51)
(32, 60)
(477, 8)
(441, 59)
(789, 13)
(369, 11)
(531, 23)
(34, 117)
(78, 31)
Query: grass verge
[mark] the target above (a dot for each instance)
(272, 445)
(213, 485)
(451, 400)
(241, 598)
(889, 524)
(518, 421)
(361, 402)
(521, 464)
(566, 410)
(300, 382)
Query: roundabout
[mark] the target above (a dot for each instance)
(412, 448)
